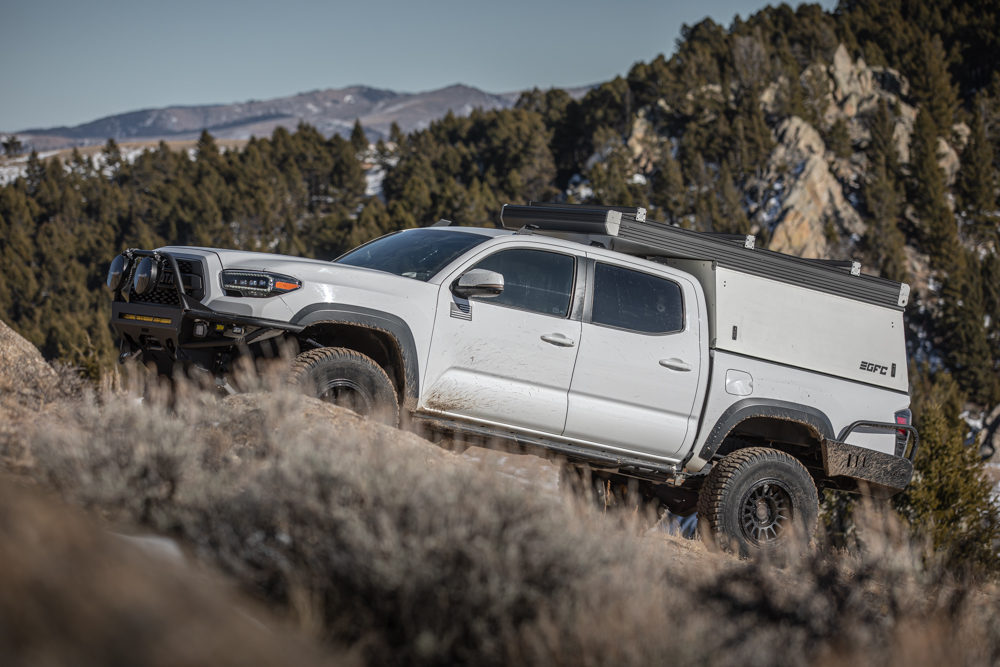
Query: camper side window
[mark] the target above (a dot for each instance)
(636, 301)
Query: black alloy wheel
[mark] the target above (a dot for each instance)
(754, 500)
(766, 513)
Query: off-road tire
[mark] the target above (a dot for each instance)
(331, 371)
(739, 505)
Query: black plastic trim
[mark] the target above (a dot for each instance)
(764, 407)
(372, 319)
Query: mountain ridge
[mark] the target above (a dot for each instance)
(330, 110)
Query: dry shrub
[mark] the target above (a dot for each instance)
(371, 537)
(71, 594)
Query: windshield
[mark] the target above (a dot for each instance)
(418, 254)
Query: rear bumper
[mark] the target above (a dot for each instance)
(885, 472)
(866, 465)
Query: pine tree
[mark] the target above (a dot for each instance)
(932, 85)
(669, 192)
(977, 180)
(884, 241)
(949, 498)
(732, 216)
(961, 334)
(939, 233)
(12, 146)
(882, 145)
(358, 138)
(839, 139)
(396, 135)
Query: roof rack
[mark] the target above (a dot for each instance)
(584, 220)
(636, 213)
(623, 231)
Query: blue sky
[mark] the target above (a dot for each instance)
(64, 62)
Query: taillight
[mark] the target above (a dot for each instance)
(903, 417)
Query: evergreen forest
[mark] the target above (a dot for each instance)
(891, 108)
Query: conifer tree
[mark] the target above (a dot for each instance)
(949, 498)
(669, 192)
(884, 241)
(977, 180)
(839, 139)
(961, 334)
(932, 85)
(732, 216)
(882, 145)
(112, 157)
(12, 146)
(396, 135)
(358, 138)
(939, 233)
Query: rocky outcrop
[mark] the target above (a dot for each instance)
(24, 373)
(644, 143)
(855, 93)
(811, 198)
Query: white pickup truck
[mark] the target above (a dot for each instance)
(690, 368)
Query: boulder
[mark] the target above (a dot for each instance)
(24, 373)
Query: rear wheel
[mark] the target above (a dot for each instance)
(347, 379)
(755, 500)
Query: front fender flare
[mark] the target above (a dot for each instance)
(372, 319)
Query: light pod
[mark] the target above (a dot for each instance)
(118, 273)
(147, 275)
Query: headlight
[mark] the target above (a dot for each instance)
(118, 273)
(258, 283)
(147, 275)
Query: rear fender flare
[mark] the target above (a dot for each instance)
(379, 321)
(808, 416)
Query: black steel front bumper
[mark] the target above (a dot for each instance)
(165, 335)
(877, 469)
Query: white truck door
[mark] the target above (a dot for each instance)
(638, 369)
(507, 359)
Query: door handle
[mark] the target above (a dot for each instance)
(675, 364)
(558, 339)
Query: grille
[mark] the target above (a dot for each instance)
(165, 293)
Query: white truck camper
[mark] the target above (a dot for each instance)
(658, 365)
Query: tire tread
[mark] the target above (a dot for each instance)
(724, 474)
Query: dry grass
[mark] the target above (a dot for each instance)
(73, 594)
(366, 537)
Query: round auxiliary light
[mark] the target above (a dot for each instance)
(118, 273)
(147, 275)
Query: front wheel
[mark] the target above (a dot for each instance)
(755, 499)
(347, 379)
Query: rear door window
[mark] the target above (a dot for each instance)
(534, 280)
(635, 301)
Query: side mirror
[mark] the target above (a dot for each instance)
(478, 282)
